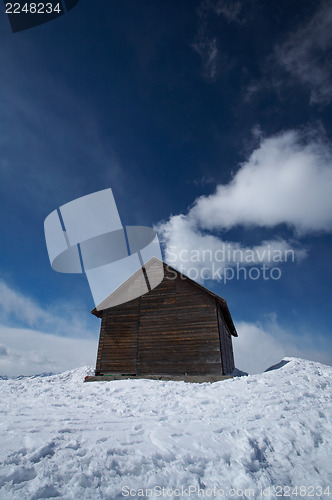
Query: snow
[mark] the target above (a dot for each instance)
(62, 438)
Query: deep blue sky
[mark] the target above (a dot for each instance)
(160, 101)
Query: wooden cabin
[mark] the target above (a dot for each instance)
(178, 328)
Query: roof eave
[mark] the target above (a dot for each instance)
(97, 313)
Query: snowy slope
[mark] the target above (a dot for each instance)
(67, 439)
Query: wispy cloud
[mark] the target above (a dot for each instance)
(231, 10)
(204, 180)
(13, 303)
(208, 51)
(260, 345)
(61, 318)
(205, 43)
(306, 55)
(215, 61)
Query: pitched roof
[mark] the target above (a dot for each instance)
(222, 302)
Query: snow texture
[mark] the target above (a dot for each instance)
(62, 438)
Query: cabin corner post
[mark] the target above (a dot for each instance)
(137, 339)
(219, 333)
(100, 346)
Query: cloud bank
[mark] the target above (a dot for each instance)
(31, 352)
(36, 340)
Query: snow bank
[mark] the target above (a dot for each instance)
(62, 438)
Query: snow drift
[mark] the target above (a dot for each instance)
(67, 439)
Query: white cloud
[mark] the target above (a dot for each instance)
(306, 54)
(287, 179)
(259, 346)
(205, 256)
(31, 352)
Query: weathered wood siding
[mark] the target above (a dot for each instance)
(172, 330)
(117, 350)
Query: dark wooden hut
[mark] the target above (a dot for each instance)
(179, 328)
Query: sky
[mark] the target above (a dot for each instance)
(211, 121)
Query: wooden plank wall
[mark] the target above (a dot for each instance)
(171, 330)
(178, 331)
(117, 351)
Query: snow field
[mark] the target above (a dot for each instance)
(62, 438)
